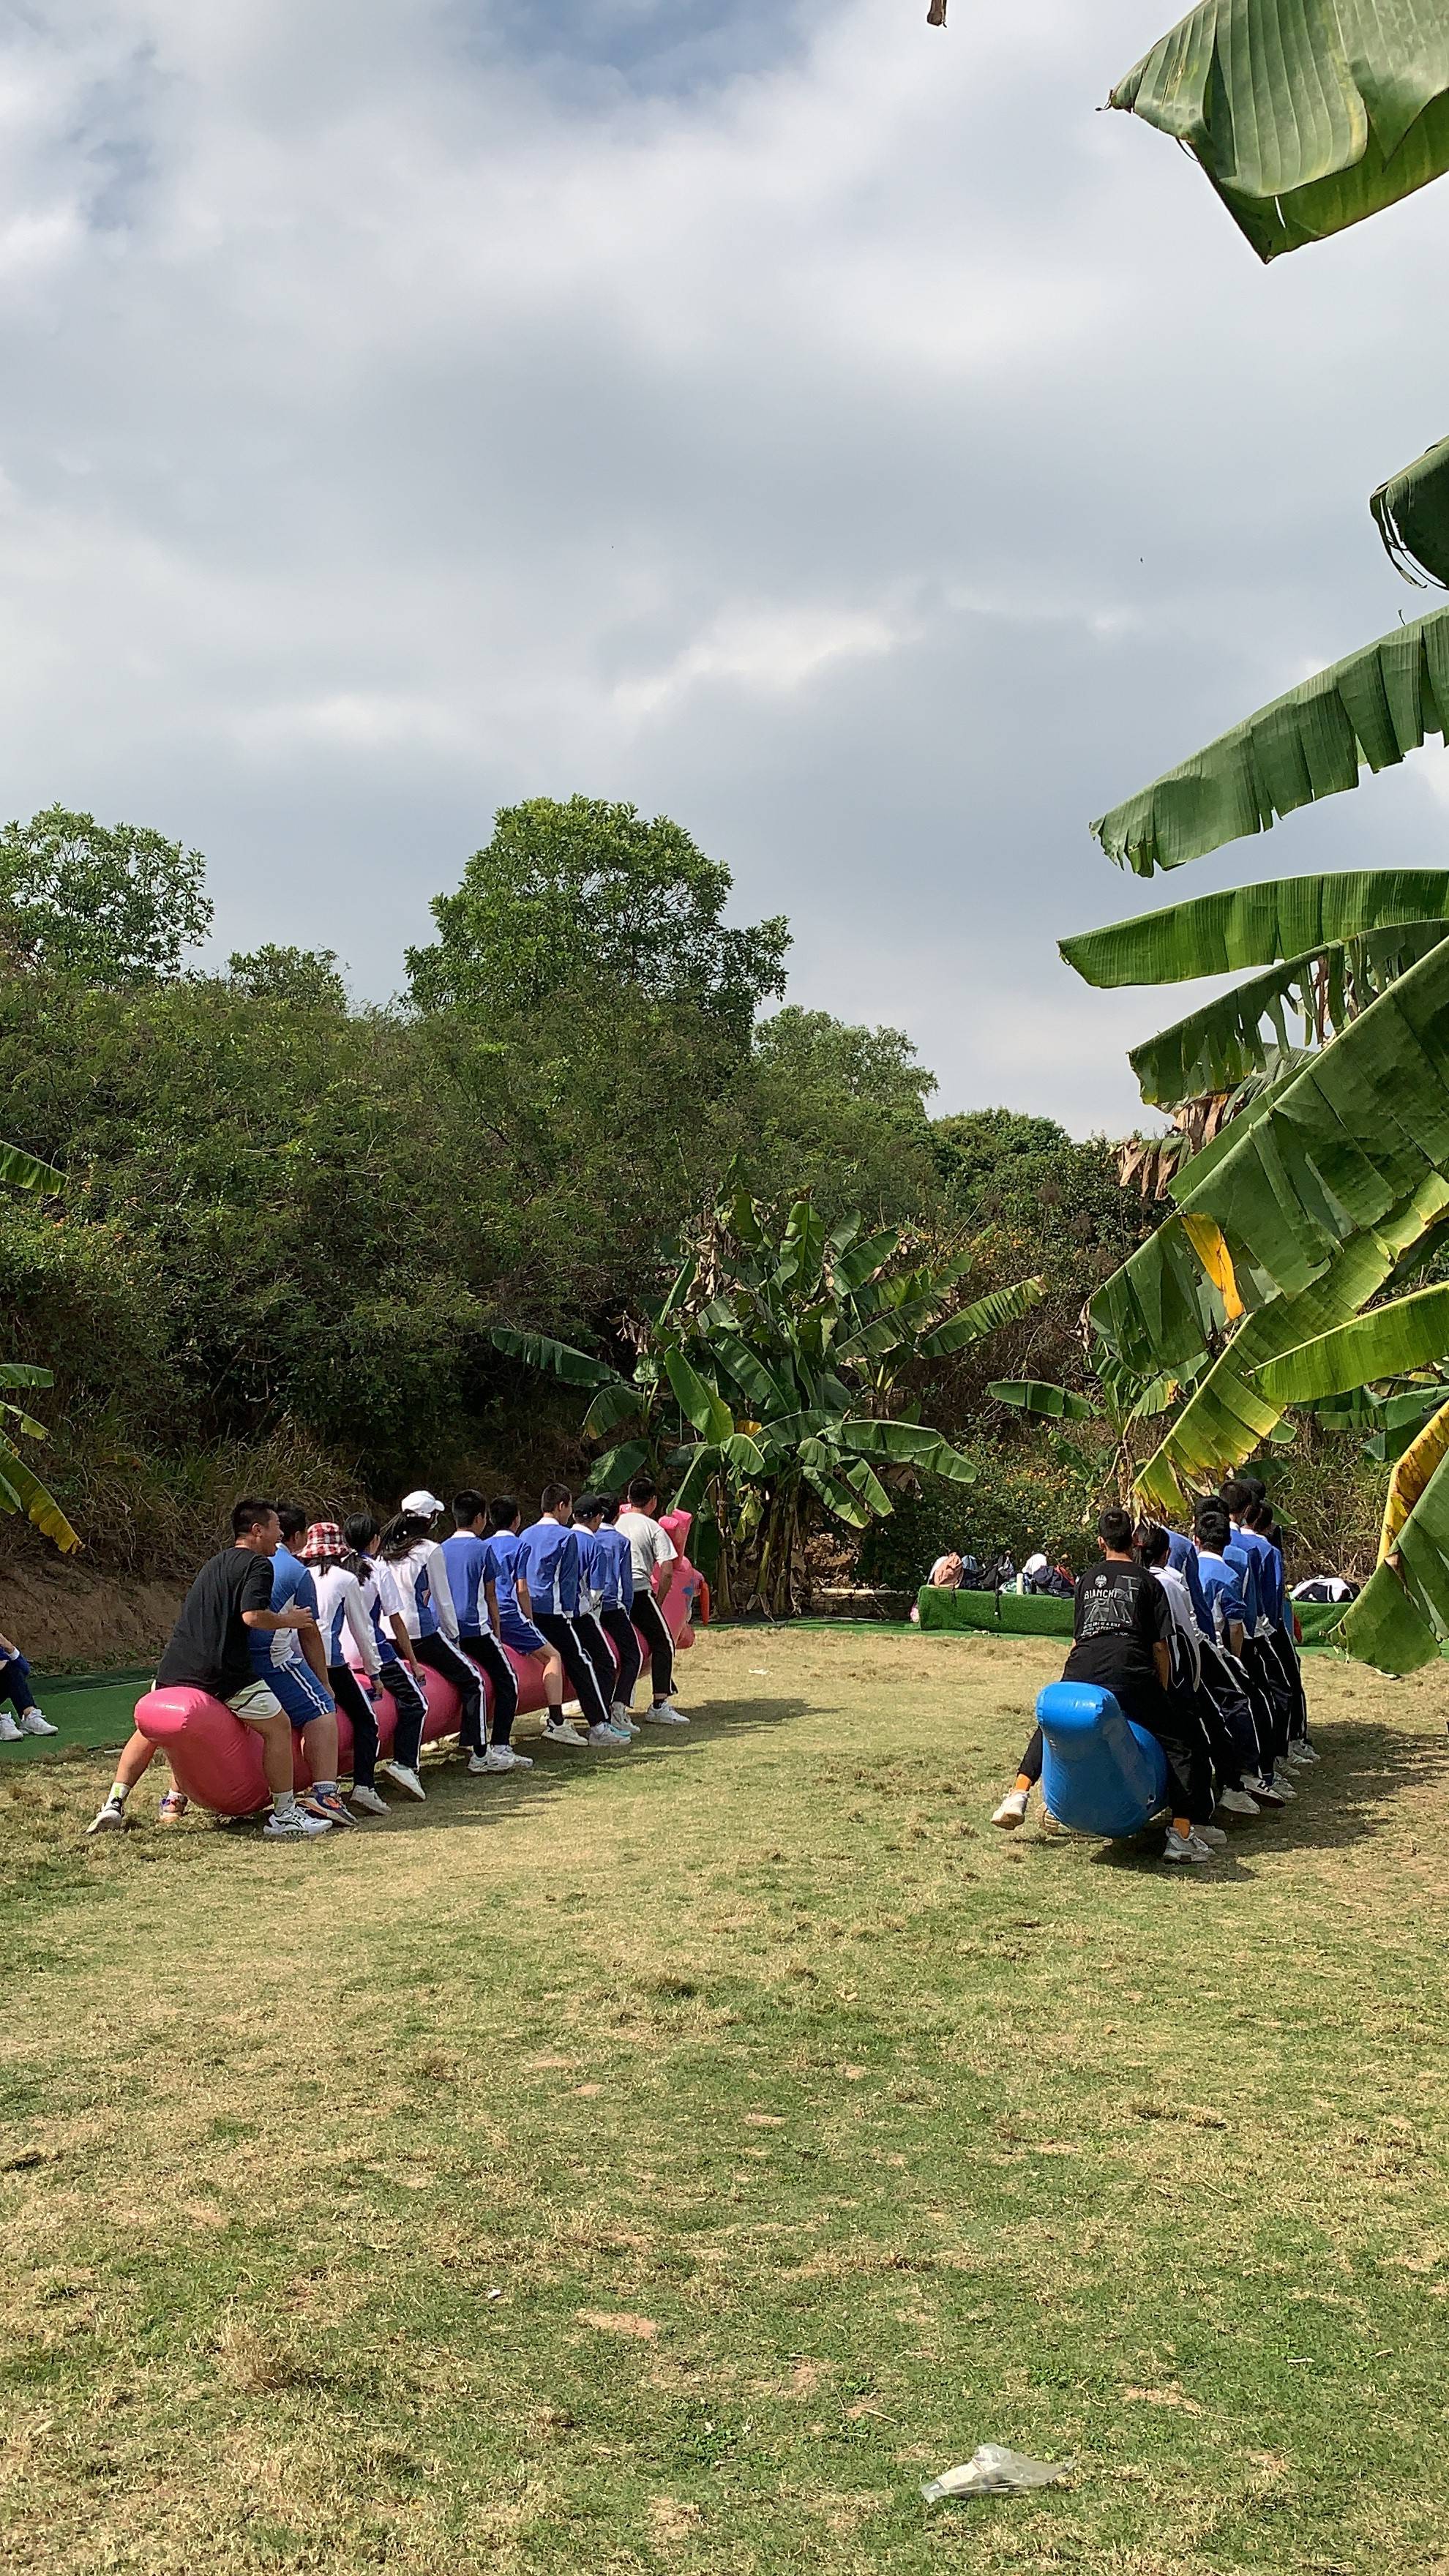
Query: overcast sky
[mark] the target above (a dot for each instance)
(832, 432)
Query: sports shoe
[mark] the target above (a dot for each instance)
(298, 1827)
(1303, 1751)
(330, 1808)
(1211, 1834)
(501, 1757)
(9, 1731)
(1012, 1810)
(666, 1714)
(608, 1735)
(619, 1716)
(402, 1778)
(369, 1801)
(1264, 1791)
(1236, 1802)
(563, 1732)
(111, 1820)
(34, 1722)
(172, 1808)
(1298, 1758)
(1052, 1826)
(1182, 1847)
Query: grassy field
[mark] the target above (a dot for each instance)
(666, 2160)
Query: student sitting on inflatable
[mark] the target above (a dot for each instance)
(1122, 1624)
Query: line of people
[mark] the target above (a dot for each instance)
(1194, 1637)
(295, 1620)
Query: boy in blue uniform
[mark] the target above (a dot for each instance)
(611, 1586)
(293, 1665)
(466, 1558)
(1230, 1588)
(511, 1621)
(546, 1578)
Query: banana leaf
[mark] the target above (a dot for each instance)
(1411, 513)
(1362, 1128)
(905, 1444)
(23, 1492)
(1032, 1395)
(611, 1472)
(853, 1266)
(1401, 1617)
(556, 1358)
(24, 1172)
(1226, 1417)
(1223, 1045)
(824, 1473)
(700, 1403)
(612, 1406)
(756, 1383)
(1410, 1334)
(1371, 709)
(973, 1324)
(24, 1373)
(1306, 115)
(875, 1340)
(802, 1250)
(1256, 925)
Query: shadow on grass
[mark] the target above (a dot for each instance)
(1341, 1800)
(458, 1797)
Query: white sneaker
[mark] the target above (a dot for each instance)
(9, 1731)
(111, 1820)
(402, 1778)
(1281, 1788)
(608, 1735)
(1052, 1826)
(619, 1715)
(1184, 1847)
(1265, 1791)
(501, 1757)
(1298, 1758)
(666, 1714)
(564, 1733)
(1236, 1802)
(1304, 1752)
(1212, 1834)
(1012, 1810)
(298, 1827)
(369, 1801)
(34, 1722)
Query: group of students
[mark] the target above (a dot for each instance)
(1195, 1639)
(296, 1620)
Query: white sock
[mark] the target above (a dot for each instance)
(283, 1802)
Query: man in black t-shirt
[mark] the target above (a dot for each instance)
(210, 1651)
(1121, 1626)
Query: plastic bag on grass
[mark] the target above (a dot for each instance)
(993, 2471)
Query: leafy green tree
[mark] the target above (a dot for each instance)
(307, 976)
(768, 1385)
(112, 907)
(587, 892)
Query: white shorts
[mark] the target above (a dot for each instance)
(254, 1701)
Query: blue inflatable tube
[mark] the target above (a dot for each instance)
(1102, 1774)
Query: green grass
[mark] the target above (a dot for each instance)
(664, 2161)
(89, 1715)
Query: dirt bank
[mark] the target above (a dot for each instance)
(66, 1617)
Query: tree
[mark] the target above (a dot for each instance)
(308, 977)
(20, 1488)
(769, 1385)
(1321, 1194)
(111, 907)
(590, 894)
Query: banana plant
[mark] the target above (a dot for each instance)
(21, 1490)
(1126, 1401)
(770, 1384)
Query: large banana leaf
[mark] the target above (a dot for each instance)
(1362, 1128)
(1401, 1616)
(1306, 115)
(989, 1313)
(853, 1266)
(906, 1444)
(1372, 709)
(1227, 1416)
(1224, 1044)
(701, 1404)
(23, 1172)
(1411, 512)
(556, 1358)
(23, 1492)
(1033, 1395)
(612, 1406)
(1256, 925)
(1391, 1341)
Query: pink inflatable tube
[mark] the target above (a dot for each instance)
(217, 1761)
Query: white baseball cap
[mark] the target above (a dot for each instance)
(425, 1505)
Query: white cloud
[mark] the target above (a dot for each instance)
(836, 434)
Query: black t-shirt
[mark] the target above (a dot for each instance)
(210, 1648)
(1122, 1612)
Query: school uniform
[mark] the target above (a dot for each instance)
(650, 1546)
(277, 1657)
(466, 1557)
(548, 1562)
(591, 1632)
(341, 1611)
(1120, 1616)
(612, 1584)
(381, 1604)
(500, 1558)
(1229, 1586)
(420, 1580)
